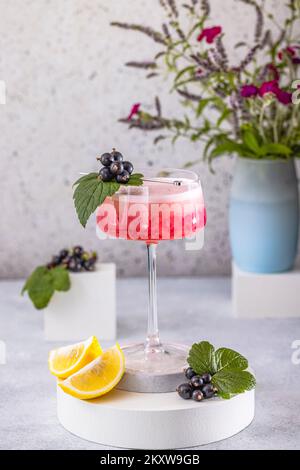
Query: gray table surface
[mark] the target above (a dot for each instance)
(190, 310)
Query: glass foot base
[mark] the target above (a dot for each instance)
(154, 370)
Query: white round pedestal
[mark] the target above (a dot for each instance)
(154, 420)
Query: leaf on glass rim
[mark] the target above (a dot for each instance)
(229, 382)
(202, 358)
(230, 359)
(136, 179)
(91, 192)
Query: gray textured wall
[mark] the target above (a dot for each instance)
(66, 88)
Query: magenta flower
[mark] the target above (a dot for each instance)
(134, 110)
(290, 51)
(269, 87)
(284, 97)
(210, 34)
(247, 91)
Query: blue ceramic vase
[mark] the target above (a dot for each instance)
(264, 215)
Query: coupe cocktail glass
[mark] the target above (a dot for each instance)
(168, 206)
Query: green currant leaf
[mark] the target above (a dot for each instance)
(61, 278)
(230, 382)
(202, 358)
(90, 193)
(230, 359)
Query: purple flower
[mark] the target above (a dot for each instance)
(209, 34)
(247, 91)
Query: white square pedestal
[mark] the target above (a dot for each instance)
(88, 308)
(265, 295)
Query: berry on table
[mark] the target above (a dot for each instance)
(116, 156)
(197, 395)
(85, 256)
(185, 391)
(66, 260)
(128, 166)
(208, 391)
(74, 265)
(56, 261)
(206, 378)
(89, 265)
(197, 381)
(189, 373)
(94, 255)
(105, 159)
(77, 250)
(116, 168)
(123, 177)
(50, 265)
(105, 174)
(63, 253)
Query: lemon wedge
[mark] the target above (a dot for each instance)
(98, 377)
(67, 360)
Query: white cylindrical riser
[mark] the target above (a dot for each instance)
(154, 421)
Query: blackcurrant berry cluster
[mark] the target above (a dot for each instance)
(76, 259)
(198, 388)
(114, 167)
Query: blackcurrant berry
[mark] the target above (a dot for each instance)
(50, 265)
(66, 260)
(77, 250)
(94, 255)
(116, 156)
(105, 174)
(89, 265)
(74, 265)
(56, 260)
(206, 378)
(85, 256)
(197, 381)
(106, 159)
(189, 373)
(128, 166)
(123, 177)
(208, 391)
(197, 395)
(63, 253)
(116, 168)
(185, 391)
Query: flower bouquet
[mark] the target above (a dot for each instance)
(250, 107)
(247, 107)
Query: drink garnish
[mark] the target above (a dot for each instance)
(93, 188)
(212, 373)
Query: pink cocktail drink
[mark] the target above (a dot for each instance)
(168, 205)
(161, 209)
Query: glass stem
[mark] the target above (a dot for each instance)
(153, 343)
